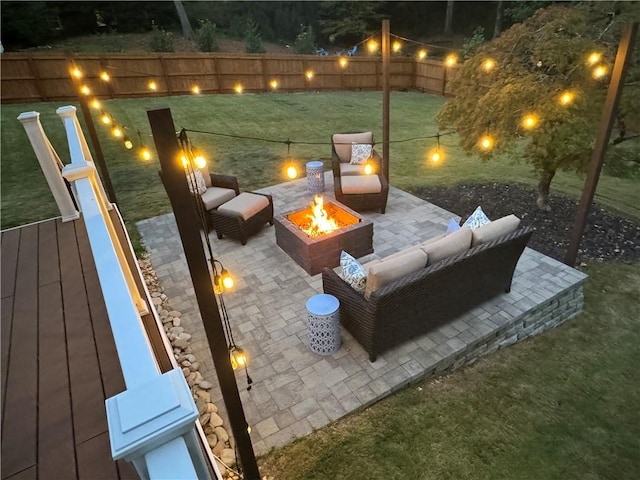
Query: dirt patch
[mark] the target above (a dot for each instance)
(606, 236)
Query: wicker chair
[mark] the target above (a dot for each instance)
(352, 186)
(220, 189)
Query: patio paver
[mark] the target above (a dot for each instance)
(296, 391)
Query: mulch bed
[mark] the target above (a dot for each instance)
(606, 236)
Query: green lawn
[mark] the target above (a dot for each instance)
(308, 117)
(560, 406)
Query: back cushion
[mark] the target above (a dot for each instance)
(495, 229)
(387, 271)
(343, 141)
(206, 175)
(451, 244)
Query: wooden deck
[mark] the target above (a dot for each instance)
(59, 361)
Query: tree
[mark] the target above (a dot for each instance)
(535, 62)
(448, 18)
(349, 21)
(497, 25)
(252, 39)
(187, 31)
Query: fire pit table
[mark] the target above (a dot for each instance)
(314, 236)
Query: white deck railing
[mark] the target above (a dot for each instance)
(153, 422)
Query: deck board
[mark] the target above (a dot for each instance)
(58, 357)
(20, 403)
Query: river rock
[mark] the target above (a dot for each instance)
(212, 440)
(221, 433)
(211, 408)
(205, 385)
(228, 456)
(215, 420)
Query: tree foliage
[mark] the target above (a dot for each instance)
(252, 38)
(350, 21)
(536, 61)
(305, 43)
(206, 37)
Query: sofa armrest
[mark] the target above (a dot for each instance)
(225, 181)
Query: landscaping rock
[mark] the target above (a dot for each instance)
(215, 420)
(222, 434)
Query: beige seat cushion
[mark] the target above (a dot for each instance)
(359, 184)
(495, 229)
(245, 205)
(343, 141)
(347, 169)
(387, 271)
(449, 245)
(213, 197)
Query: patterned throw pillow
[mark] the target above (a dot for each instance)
(196, 182)
(352, 272)
(452, 227)
(360, 153)
(476, 219)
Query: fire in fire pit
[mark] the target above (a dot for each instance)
(303, 236)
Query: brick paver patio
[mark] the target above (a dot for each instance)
(296, 391)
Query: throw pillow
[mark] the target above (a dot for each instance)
(352, 272)
(476, 219)
(196, 182)
(360, 153)
(452, 227)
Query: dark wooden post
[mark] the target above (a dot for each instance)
(386, 61)
(175, 183)
(625, 49)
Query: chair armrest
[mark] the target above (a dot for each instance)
(225, 181)
(335, 161)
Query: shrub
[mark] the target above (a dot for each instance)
(305, 41)
(252, 40)
(206, 37)
(471, 45)
(161, 41)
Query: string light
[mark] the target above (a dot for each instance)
(237, 357)
(128, 144)
(422, 54)
(238, 88)
(309, 74)
(451, 60)
(152, 85)
(95, 103)
(116, 131)
(274, 84)
(144, 153)
(85, 90)
(343, 62)
(530, 121)
(199, 160)
(76, 72)
(566, 98)
(599, 72)
(396, 47)
(368, 168)
(195, 90)
(372, 46)
(436, 155)
(104, 76)
(105, 118)
(593, 58)
(488, 65)
(486, 143)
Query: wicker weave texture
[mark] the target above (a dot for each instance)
(238, 228)
(423, 300)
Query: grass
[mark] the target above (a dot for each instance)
(309, 117)
(560, 406)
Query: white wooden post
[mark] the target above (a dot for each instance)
(49, 163)
(81, 166)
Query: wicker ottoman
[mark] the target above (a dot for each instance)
(243, 215)
(323, 322)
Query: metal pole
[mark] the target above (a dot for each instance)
(625, 49)
(386, 48)
(175, 183)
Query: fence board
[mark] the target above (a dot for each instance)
(45, 77)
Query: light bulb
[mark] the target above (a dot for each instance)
(195, 90)
(144, 153)
(292, 172)
(104, 76)
(486, 143)
(488, 65)
(451, 60)
(372, 46)
(238, 88)
(599, 72)
(105, 118)
(566, 97)
(273, 84)
(368, 169)
(152, 85)
(184, 160)
(128, 144)
(396, 47)
(200, 161)
(309, 74)
(116, 131)
(76, 72)
(530, 121)
(593, 58)
(227, 280)
(85, 90)
(436, 155)
(95, 103)
(343, 62)
(422, 54)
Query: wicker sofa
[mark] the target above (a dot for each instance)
(431, 296)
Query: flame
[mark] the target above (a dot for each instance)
(320, 221)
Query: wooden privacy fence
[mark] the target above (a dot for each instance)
(46, 77)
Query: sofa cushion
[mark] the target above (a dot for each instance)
(342, 143)
(452, 244)
(360, 153)
(352, 272)
(361, 184)
(387, 271)
(213, 197)
(495, 229)
(196, 183)
(351, 169)
(245, 205)
(476, 219)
